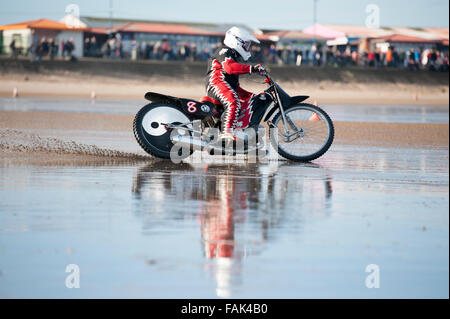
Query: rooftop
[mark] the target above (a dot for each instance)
(164, 28)
(38, 24)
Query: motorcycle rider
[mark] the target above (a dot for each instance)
(222, 82)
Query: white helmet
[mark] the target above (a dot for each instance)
(240, 40)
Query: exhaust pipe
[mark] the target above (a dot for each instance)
(188, 141)
(200, 145)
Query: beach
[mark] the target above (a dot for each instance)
(77, 189)
(123, 80)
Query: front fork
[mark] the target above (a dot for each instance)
(287, 122)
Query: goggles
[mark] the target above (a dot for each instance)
(245, 44)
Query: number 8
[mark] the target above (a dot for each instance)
(192, 107)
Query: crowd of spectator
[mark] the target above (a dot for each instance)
(413, 59)
(314, 55)
(48, 47)
(115, 48)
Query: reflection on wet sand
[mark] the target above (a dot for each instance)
(15, 159)
(240, 207)
(277, 230)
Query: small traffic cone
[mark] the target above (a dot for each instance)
(15, 92)
(93, 95)
(314, 117)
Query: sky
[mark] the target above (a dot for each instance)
(266, 14)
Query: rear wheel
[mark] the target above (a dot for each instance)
(308, 135)
(150, 130)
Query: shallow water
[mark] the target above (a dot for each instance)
(389, 113)
(142, 228)
(338, 112)
(155, 229)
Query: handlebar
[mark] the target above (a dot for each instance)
(264, 73)
(268, 79)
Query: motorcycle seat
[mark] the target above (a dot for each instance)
(210, 99)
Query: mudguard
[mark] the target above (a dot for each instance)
(293, 101)
(156, 97)
(194, 108)
(298, 99)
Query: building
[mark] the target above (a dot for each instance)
(132, 33)
(295, 38)
(128, 38)
(173, 35)
(364, 39)
(30, 32)
(85, 30)
(401, 43)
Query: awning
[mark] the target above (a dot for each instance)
(338, 41)
(163, 28)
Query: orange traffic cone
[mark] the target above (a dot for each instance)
(314, 118)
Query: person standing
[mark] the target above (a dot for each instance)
(70, 47)
(44, 46)
(53, 49)
(12, 47)
(39, 50)
(371, 58)
(32, 51)
(389, 57)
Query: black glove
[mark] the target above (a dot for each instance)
(259, 69)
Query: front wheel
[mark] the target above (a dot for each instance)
(307, 134)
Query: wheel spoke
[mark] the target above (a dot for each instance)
(313, 128)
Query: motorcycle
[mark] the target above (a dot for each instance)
(172, 127)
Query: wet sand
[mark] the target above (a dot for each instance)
(76, 188)
(75, 86)
(410, 135)
(274, 230)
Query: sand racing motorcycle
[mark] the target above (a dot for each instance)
(172, 127)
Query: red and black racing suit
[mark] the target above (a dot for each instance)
(222, 84)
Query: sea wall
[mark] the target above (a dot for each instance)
(183, 71)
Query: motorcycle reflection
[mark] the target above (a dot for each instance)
(240, 207)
